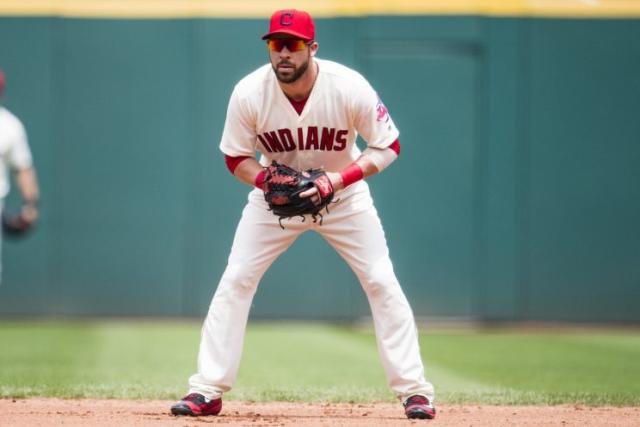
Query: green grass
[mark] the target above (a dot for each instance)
(315, 362)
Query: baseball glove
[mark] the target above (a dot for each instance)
(15, 225)
(282, 188)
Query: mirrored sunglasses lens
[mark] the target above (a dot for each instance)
(277, 45)
(295, 45)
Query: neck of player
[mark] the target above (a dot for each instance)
(301, 88)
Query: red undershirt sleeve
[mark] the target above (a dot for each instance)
(395, 146)
(233, 162)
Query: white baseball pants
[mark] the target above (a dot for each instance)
(354, 230)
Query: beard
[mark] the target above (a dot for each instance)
(290, 78)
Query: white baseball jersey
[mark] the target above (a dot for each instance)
(341, 105)
(14, 149)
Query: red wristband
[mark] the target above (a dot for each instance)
(259, 181)
(351, 174)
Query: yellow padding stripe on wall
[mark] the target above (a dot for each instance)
(318, 8)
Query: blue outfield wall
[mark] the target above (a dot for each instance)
(515, 197)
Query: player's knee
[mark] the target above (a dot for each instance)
(238, 279)
(379, 278)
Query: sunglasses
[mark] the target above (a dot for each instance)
(292, 45)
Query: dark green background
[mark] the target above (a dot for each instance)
(515, 196)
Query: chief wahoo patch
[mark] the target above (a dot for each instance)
(382, 112)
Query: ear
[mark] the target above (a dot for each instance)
(314, 48)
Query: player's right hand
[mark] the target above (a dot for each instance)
(29, 213)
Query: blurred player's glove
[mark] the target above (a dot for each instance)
(282, 188)
(16, 225)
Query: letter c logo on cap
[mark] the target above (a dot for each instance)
(286, 19)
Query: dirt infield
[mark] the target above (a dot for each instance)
(121, 413)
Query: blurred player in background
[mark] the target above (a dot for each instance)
(15, 155)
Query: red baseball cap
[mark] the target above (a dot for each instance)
(297, 23)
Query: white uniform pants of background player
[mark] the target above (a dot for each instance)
(1, 210)
(354, 230)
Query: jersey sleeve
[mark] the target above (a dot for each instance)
(239, 135)
(18, 155)
(372, 119)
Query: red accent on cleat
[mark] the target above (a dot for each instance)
(418, 406)
(195, 405)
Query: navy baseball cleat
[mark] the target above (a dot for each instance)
(418, 406)
(196, 404)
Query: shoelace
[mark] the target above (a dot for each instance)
(413, 400)
(195, 397)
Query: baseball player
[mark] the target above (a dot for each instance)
(306, 112)
(15, 155)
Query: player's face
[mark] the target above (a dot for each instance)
(290, 57)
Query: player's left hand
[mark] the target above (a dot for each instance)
(336, 183)
(313, 193)
(285, 185)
